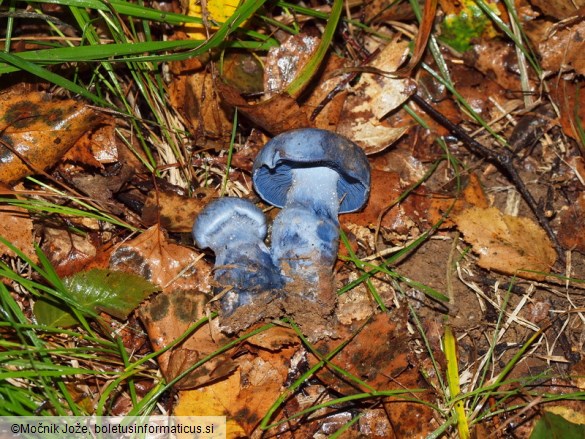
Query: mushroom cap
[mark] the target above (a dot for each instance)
(228, 215)
(311, 148)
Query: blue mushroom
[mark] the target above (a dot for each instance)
(235, 229)
(313, 175)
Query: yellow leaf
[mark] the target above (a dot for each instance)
(213, 400)
(218, 10)
(506, 243)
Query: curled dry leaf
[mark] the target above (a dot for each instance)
(506, 243)
(197, 96)
(289, 114)
(40, 130)
(374, 96)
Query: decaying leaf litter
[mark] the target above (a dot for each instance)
(442, 222)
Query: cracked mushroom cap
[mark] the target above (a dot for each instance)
(312, 148)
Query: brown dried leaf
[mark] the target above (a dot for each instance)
(276, 115)
(562, 47)
(166, 317)
(197, 96)
(328, 116)
(174, 212)
(95, 148)
(570, 99)
(375, 95)
(16, 228)
(386, 364)
(386, 190)
(497, 60)
(39, 130)
(163, 263)
(559, 8)
(245, 396)
(68, 252)
(505, 243)
(472, 196)
(184, 276)
(571, 232)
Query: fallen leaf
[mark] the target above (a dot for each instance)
(569, 97)
(559, 8)
(166, 317)
(506, 243)
(185, 278)
(245, 395)
(95, 148)
(213, 400)
(380, 355)
(571, 232)
(197, 96)
(569, 37)
(169, 265)
(373, 97)
(68, 252)
(217, 11)
(40, 130)
(16, 227)
(290, 114)
(382, 208)
(243, 71)
(113, 292)
(283, 63)
(172, 211)
(330, 107)
(497, 60)
(473, 195)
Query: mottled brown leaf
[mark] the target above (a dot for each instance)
(174, 212)
(506, 243)
(40, 130)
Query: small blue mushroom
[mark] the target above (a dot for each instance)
(313, 175)
(235, 229)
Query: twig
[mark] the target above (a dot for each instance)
(502, 159)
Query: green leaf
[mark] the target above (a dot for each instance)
(552, 426)
(113, 292)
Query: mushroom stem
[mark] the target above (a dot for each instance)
(305, 234)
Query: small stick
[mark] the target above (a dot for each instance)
(503, 160)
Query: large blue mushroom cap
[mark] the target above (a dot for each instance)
(312, 148)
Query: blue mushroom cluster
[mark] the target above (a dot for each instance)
(313, 175)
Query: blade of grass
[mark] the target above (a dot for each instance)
(453, 381)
